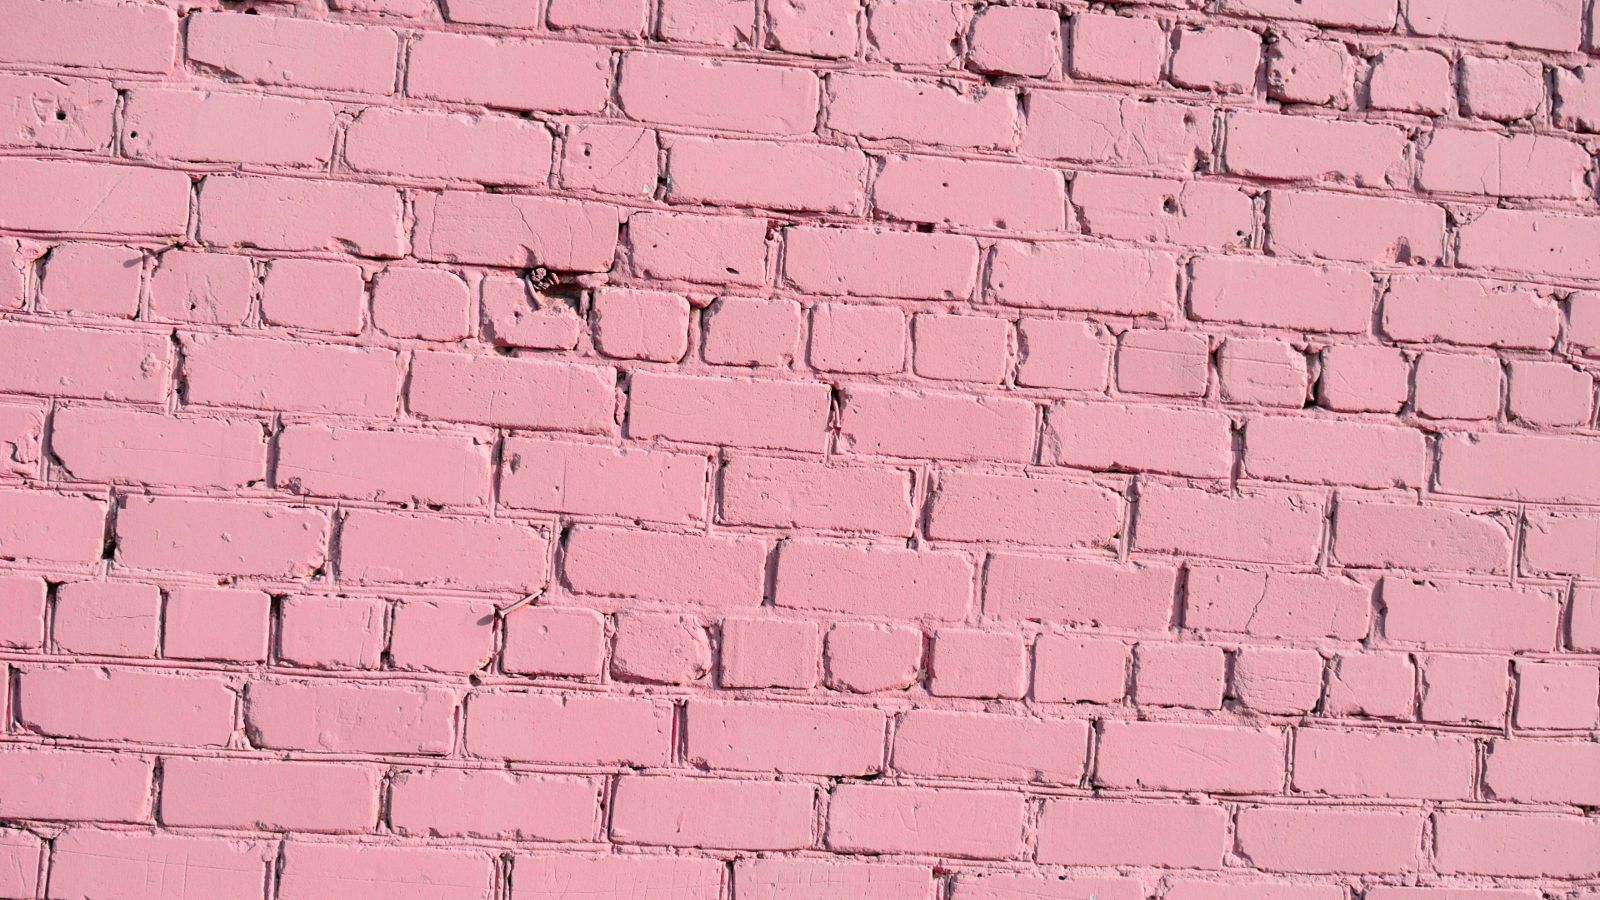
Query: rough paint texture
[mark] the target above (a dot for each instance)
(957, 451)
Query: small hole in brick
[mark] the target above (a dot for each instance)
(61, 115)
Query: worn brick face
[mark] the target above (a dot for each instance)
(799, 449)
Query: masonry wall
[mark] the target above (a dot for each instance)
(955, 452)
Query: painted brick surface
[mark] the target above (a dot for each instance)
(789, 449)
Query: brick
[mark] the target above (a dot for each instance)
(425, 304)
(702, 812)
(513, 392)
(884, 422)
(793, 879)
(970, 194)
(972, 506)
(885, 108)
(1467, 311)
(347, 718)
(787, 738)
(569, 730)
(852, 261)
(216, 623)
(1584, 630)
(1163, 363)
(1414, 81)
(1000, 885)
(761, 653)
(1519, 467)
(1467, 690)
(90, 863)
(726, 23)
(31, 104)
(332, 632)
(74, 786)
(1108, 436)
(1102, 279)
(990, 747)
(129, 446)
(1577, 99)
(1117, 832)
(1554, 544)
(1556, 696)
(859, 340)
(444, 636)
(90, 278)
(21, 438)
(1248, 526)
(114, 36)
(299, 52)
(417, 468)
(1441, 614)
(1302, 839)
(1381, 685)
(109, 618)
(59, 196)
(674, 877)
(968, 662)
(517, 231)
(1222, 59)
(1279, 681)
(872, 580)
(1354, 229)
(1015, 40)
(647, 325)
(492, 804)
(125, 705)
(1364, 379)
(1387, 764)
(716, 172)
(368, 872)
(893, 819)
(491, 12)
(1117, 49)
(514, 315)
(704, 93)
(503, 73)
(1169, 138)
(208, 288)
(48, 526)
(1503, 89)
(294, 215)
(774, 492)
(1079, 592)
(587, 479)
(1296, 148)
(675, 568)
(1552, 26)
(864, 658)
(1477, 162)
(1390, 536)
(961, 348)
(1550, 394)
(1249, 291)
(660, 649)
(612, 16)
(1514, 844)
(22, 602)
(1072, 669)
(1309, 71)
(1376, 15)
(312, 294)
(1450, 386)
(477, 554)
(1171, 757)
(921, 32)
(1284, 448)
(610, 159)
(568, 643)
(269, 795)
(221, 537)
(1539, 243)
(711, 250)
(1538, 771)
(424, 144)
(827, 29)
(208, 127)
(1185, 675)
(1066, 355)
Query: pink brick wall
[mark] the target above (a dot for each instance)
(961, 451)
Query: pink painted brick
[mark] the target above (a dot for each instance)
(205, 288)
(1381, 685)
(1469, 312)
(1538, 243)
(350, 718)
(502, 73)
(748, 331)
(1015, 40)
(1364, 379)
(515, 392)
(961, 348)
(990, 747)
(216, 623)
(786, 738)
(852, 261)
(1444, 614)
(705, 93)
(427, 304)
(88, 862)
(1399, 536)
(125, 705)
(1170, 138)
(210, 127)
(608, 16)
(1284, 448)
(727, 23)
(1517, 845)
(864, 658)
(1107, 436)
(21, 438)
(1248, 526)
(515, 230)
(972, 663)
(315, 295)
(713, 570)
(103, 444)
(859, 340)
(872, 580)
(918, 424)
(1552, 695)
(332, 632)
(656, 648)
(1183, 675)
(704, 812)
(1455, 386)
(1138, 208)
(1164, 363)
(299, 52)
(1280, 681)
(96, 35)
(1097, 278)
(1071, 669)
(426, 468)
(763, 653)
(549, 877)
(569, 730)
(1540, 771)
(775, 878)
(1066, 355)
(1503, 89)
(367, 872)
(1223, 59)
(1413, 81)
(31, 103)
(894, 819)
(492, 804)
(1550, 394)
(222, 537)
(1325, 226)
(269, 795)
(89, 198)
(48, 526)
(587, 479)
(1477, 162)
(609, 159)
(568, 643)
(1117, 49)
(1376, 15)
(396, 548)
(823, 28)
(775, 492)
(91, 278)
(1384, 764)
(698, 248)
(1197, 758)
(1467, 690)
(973, 506)
(1272, 604)
(1561, 544)
(646, 325)
(1553, 26)
(1248, 291)
(882, 107)
(22, 609)
(429, 145)
(1079, 592)
(727, 173)
(294, 215)
(1118, 832)
(920, 32)
(74, 786)
(1294, 148)
(970, 194)
(1313, 840)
